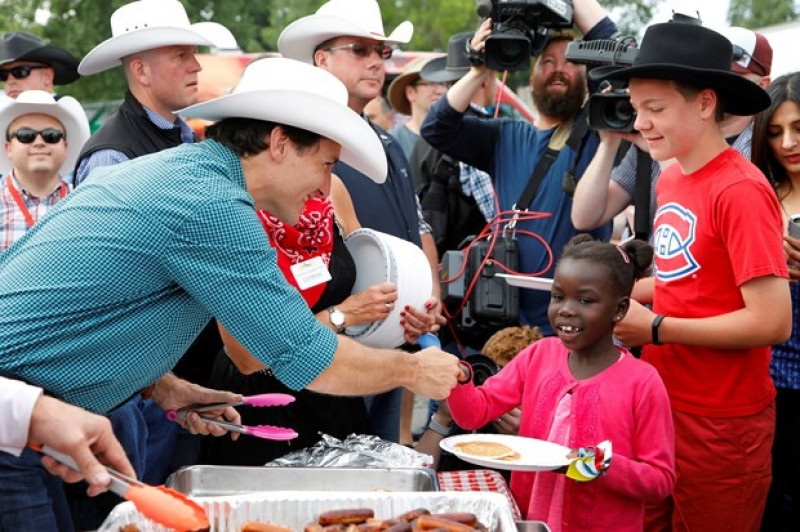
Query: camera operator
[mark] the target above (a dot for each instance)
(606, 190)
(509, 151)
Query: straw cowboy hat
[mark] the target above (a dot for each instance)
(289, 92)
(337, 18)
(397, 88)
(20, 46)
(452, 67)
(139, 26)
(66, 110)
(692, 54)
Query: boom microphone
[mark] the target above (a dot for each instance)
(484, 8)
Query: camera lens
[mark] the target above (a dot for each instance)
(619, 114)
(483, 367)
(508, 50)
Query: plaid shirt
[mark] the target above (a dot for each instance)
(12, 219)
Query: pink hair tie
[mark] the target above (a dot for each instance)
(625, 255)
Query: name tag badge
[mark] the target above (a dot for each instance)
(310, 273)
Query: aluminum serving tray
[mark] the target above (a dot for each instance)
(297, 509)
(205, 481)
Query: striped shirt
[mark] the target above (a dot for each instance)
(13, 224)
(104, 295)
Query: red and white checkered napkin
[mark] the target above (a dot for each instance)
(478, 480)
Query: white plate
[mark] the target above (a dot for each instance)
(535, 455)
(524, 281)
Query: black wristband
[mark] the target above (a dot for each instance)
(474, 57)
(654, 328)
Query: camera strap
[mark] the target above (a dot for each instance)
(570, 133)
(641, 195)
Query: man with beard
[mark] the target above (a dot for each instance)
(510, 151)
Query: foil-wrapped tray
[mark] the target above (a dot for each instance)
(296, 509)
(205, 480)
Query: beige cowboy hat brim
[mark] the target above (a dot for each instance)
(300, 38)
(285, 91)
(109, 53)
(66, 110)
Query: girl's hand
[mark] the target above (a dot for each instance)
(792, 248)
(373, 304)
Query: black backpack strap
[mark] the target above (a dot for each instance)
(641, 195)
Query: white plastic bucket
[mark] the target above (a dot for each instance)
(381, 258)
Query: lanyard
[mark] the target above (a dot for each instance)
(21, 203)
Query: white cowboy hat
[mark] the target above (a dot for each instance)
(139, 26)
(337, 18)
(66, 110)
(296, 94)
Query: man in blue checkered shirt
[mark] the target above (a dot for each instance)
(102, 297)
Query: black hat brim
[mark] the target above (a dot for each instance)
(436, 71)
(739, 95)
(63, 63)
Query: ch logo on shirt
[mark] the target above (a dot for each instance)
(672, 241)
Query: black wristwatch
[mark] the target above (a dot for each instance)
(654, 328)
(474, 57)
(336, 318)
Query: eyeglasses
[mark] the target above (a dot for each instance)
(27, 135)
(359, 49)
(19, 72)
(740, 54)
(443, 84)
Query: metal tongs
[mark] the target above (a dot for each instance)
(267, 432)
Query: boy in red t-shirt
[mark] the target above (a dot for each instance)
(720, 294)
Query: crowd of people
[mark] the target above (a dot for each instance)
(142, 270)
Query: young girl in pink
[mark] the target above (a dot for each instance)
(579, 389)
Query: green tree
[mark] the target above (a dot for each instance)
(761, 13)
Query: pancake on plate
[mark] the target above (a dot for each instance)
(487, 449)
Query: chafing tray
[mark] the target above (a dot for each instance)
(296, 509)
(204, 481)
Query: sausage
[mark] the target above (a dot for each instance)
(413, 514)
(257, 526)
(400, 526)
(466, 518)
(351, 516)
(430, 522)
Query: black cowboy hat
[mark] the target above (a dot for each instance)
(454, 66)
(690, 53)
(22, 46)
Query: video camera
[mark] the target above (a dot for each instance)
(612, 109)
(519, 29)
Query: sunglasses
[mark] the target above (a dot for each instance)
(27, 135)
(363, 51)
(739, 54)
(19, 72)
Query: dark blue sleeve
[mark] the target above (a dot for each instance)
(468, 139)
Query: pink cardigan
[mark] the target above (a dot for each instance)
(626, 403)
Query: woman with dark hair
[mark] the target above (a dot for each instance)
(776, 151)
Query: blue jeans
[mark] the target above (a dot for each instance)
(383, 411)
(30, 498)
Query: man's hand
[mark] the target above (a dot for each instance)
(84, 436)
(172, 393)
(436, 373)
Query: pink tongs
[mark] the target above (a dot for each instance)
(268, 432)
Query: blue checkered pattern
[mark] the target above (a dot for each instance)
(105, 294)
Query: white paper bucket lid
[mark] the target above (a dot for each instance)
(381, 258)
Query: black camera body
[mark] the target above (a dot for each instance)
(607, 110)
(519, 29)
(492, 303)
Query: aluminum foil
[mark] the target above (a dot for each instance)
(357, 450)
(297, 509)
